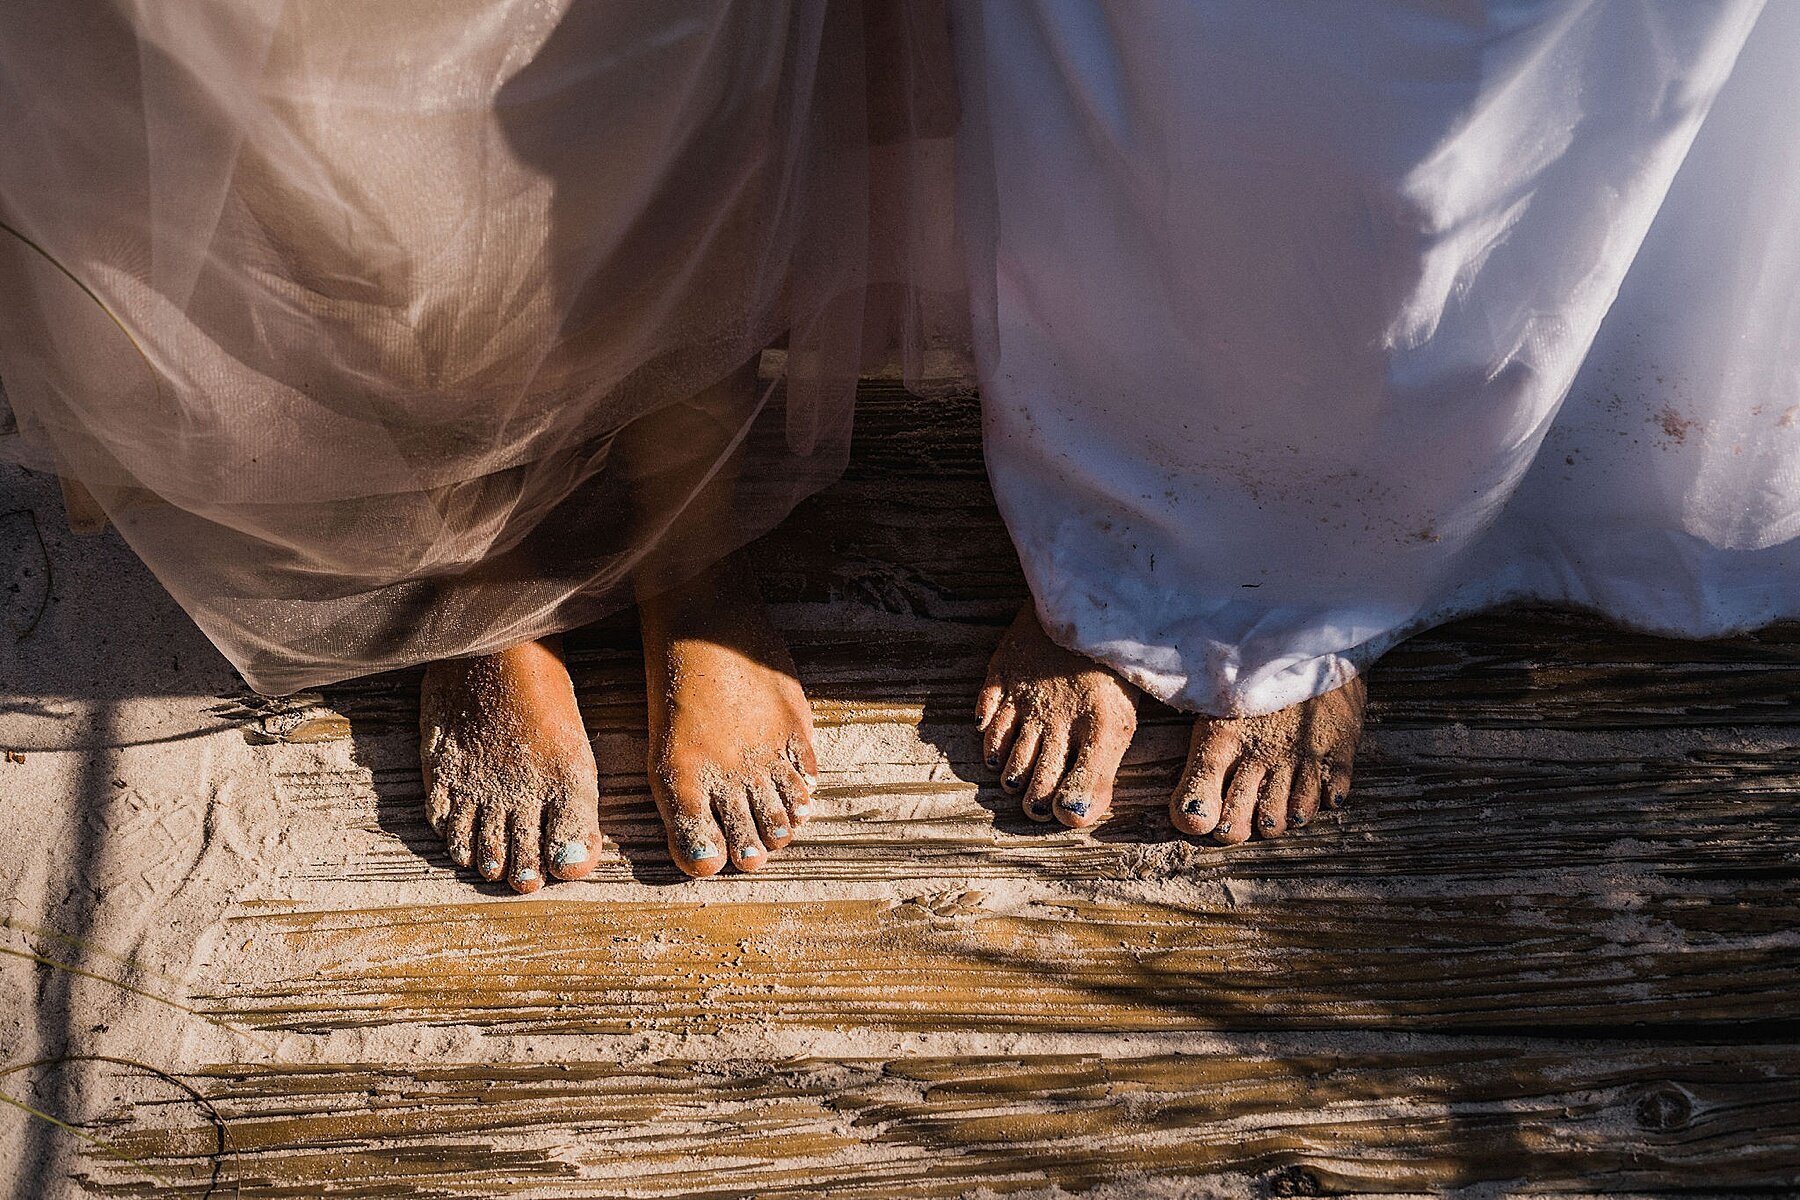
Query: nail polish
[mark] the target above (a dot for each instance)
(780, 831)
(527, 875)
(490, 866)
(700, 851)
(1077, 808)
(570, 853)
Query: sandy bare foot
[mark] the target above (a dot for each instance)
(731, 737)
(1262, 776)
(509, 774)
(1055, 724)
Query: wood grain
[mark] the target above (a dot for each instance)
(959, 960)
(1295, 1119)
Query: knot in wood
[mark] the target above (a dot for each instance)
(1295, 1180)
(1664, 1107)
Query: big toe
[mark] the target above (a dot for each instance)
(1084, 795)
(572, 833)
(1199, 799)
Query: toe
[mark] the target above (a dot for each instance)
(1272, 804)
(803, 756)
(1024, 754)
(438, 802)
(1084, 796)
(1241, 793)
(1303, 799)
(490, 843)
(1336, 788)
(1046, 773)
(459, 831)
(795, 794)
(987, 704)
(525, 860)
(731, 804)
(997, 737)
(572, 833)
(1200, 796)
(771, 814)
(695, 843)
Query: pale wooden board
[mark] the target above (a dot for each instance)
(1298, 1119)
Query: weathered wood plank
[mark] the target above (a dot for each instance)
(1337, 957)
(1476, 817)
(1296, 1119)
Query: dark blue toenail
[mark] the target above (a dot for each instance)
(1267, 822)
(1192, 807)
(1077, 807)
(1301, 820)
(1040, 809)
(993, 762)
(1012, 785)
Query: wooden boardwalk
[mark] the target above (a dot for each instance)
(1553, 945)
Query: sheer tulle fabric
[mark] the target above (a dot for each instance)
(1302, 327)
(390, 332)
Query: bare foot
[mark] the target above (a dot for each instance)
(1055, 724)
(731, 736)
(1261, 776)
(507, 763)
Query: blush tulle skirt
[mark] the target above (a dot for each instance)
(387, 332)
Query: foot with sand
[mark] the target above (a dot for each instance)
(508, 768)
(510, 781)
(731, 740)
(1056, 725)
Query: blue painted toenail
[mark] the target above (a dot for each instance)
(701, 851)
(993, 762)
(1267, 822)
(779, 831)
(1040, 809)
(490, 866)
(570, 853)
(1192, 807)
(748, 852)
(800, 810)
(1077, 807)
(527, 875)
(1301, 820)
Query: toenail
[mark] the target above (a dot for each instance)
(1012, 785)
(812, 781)
(527, 875)
(1192, 807)
(800, 810)
(1301, 820)
(1077, 807)
(1040, 809)
(570, 853)
(700, 851)
(748, 852)
(993, 762)
(490, 866)
(780, 831)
